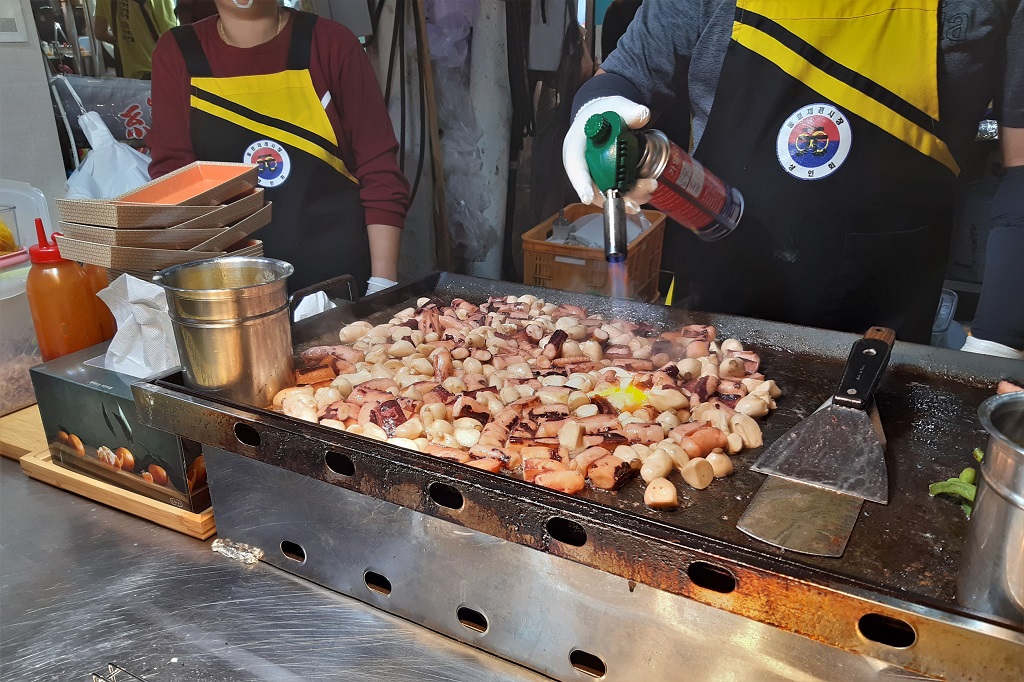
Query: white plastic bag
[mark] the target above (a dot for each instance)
(110, 169)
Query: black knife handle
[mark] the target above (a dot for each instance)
(868, 359)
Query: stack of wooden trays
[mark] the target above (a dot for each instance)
(204, 210)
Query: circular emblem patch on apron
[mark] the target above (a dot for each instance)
(814, 141)
(272, 159)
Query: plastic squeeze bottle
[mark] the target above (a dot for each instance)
(61, 300)
(98, 282)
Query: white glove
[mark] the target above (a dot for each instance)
(375, 284)
(575, 146)
(976, 345)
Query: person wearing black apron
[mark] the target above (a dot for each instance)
(279, 122)
(826, 117)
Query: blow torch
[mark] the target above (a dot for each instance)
(688, 193)
(612, 153)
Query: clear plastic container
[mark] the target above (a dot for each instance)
(61, 300)
(18, 348)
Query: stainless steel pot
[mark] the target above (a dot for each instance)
(231, 325)
(991, 577)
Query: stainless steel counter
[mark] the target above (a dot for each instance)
(82, 585)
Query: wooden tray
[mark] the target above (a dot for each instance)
(38, 466)
(247, 247)
(202, 183)
(126, 215)
(169, 238)
(21, 432)
(157, 238)
(127, 258)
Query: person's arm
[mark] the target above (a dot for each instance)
(1000, 315)
(646, 71)
(101, 22)
(385, 243)
(370, 138)
(163, 15)
(650, 63)
(170, 144)
(999, 318)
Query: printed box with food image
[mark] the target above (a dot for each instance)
(91, 426)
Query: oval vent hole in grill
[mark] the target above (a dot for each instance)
(377, 583)
(711, 577)
(446, 495)
(247, 435)
(569, 532)
(472, 619)
(885, 630)
(293, 551)
(339, 463)
(587, 663)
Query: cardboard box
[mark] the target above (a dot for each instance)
(91, 426)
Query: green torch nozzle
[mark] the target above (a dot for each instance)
(612, 152)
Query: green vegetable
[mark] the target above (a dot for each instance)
(962, 486)
(953, 486)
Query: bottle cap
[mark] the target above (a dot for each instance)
(44, 251)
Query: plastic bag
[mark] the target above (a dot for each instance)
(110, 169)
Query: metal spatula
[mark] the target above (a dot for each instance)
(822, 469)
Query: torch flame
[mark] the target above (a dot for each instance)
(624, 398)
(618, 279)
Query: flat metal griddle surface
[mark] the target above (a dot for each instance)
(928, 402)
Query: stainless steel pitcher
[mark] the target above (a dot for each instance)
(231, 325)
(991, 576)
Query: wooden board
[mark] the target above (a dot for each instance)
(21, 432)
(38, 466)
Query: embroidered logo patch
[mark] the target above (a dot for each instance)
(814, 141)
(272, 159)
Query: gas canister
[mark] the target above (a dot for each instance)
(688, 193)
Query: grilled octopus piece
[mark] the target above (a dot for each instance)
(388, 416)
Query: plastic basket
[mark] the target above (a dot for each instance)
(578, 268)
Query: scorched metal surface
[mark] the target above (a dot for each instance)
(903, 554)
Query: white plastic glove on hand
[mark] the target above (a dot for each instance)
(375, 284)
(976, 345)
(575, 146)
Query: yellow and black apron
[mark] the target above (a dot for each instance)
(826, 118)
(278, 122)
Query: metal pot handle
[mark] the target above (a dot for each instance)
(327, 285)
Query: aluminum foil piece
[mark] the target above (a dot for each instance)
(239, 551)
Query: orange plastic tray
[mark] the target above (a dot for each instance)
(203, 183)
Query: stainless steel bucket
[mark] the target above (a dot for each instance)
(991, 576)
(231, 325)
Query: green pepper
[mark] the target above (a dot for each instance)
(967, 509)
(967, 475)
(979, 454)
(953, 486)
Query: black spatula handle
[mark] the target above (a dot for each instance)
(867, 361)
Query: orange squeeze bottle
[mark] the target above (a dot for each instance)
(61, 301)
(98, 282)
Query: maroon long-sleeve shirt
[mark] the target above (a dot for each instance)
(357, 111)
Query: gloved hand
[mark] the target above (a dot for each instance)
(375, 284)
(976, 345)
(575, 145)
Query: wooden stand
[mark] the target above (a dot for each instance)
(21, 432)
(38, 466)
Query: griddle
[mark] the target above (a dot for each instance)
(902, 558)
